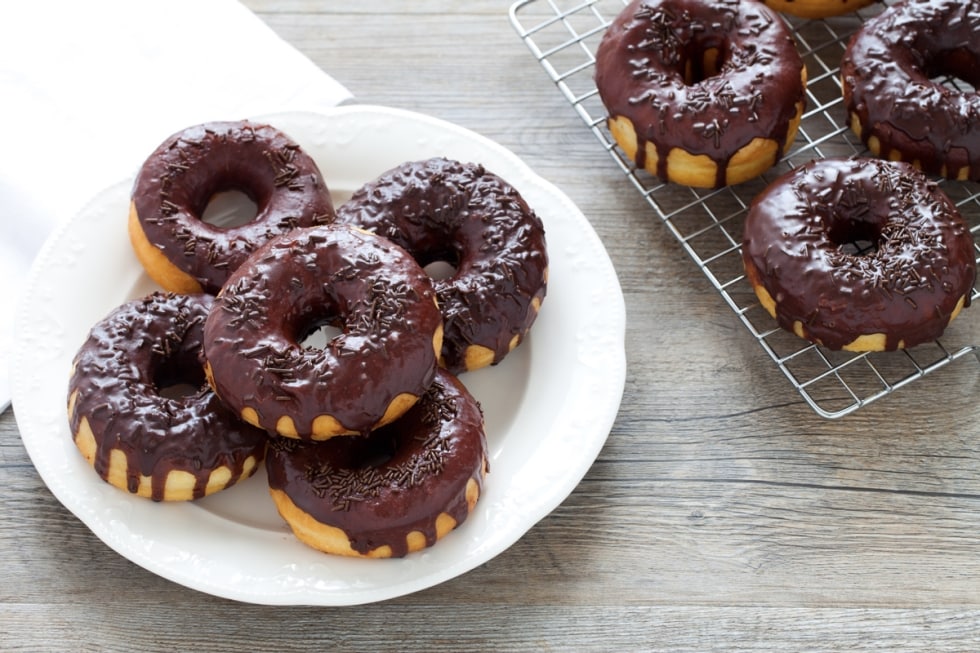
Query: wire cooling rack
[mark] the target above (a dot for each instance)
(563, 36)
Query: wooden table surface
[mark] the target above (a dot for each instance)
(722, 513)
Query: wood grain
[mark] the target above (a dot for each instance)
(722, 514)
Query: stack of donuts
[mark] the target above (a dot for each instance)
(372, 444)
(861, 254)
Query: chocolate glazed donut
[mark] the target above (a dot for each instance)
(367, 375)
(800, 255)
(396, 490)
(460, 213)
(158, 446)
(701, 93)
(817, 8)
(183, 253)
(894, 105)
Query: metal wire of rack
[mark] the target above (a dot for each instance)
(563, 36)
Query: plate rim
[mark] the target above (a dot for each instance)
(614, 378)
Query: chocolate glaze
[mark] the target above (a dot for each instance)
(444, 210)
(140, 348)
(887, 70)
(922, 262)
(641, 66)
(380, 487)
(181, 176)
(371, 289)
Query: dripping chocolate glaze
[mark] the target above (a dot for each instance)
(444, 210)
(923, 262)
(116, 375)
(369, 288)
(380, 487)
(181, 176)
(640, 74)
(887, 70)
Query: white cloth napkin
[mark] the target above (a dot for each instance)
(88, 89)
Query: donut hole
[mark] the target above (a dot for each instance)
(855, 237)
(958, 69)
(317, 333)
(364, 453)
(703, 65)
(179, 390)
(376, 450)
(228, 209)
(178, 376)
(440, 270)
(701, 62)
(440, 265)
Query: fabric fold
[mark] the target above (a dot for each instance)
(89, 89)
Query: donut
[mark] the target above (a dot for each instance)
(859, 254)
(442, 210)
(372, 371)
(396, 490)
(704, 94)
(817, 8)
(892, 102)
(182, 252)
(141, 412)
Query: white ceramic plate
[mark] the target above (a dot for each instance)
(549, 406)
